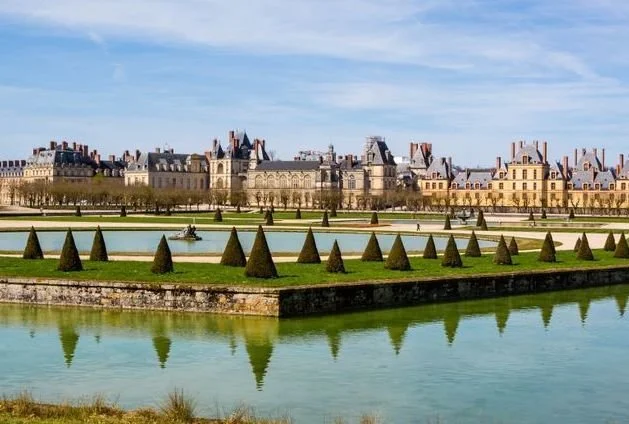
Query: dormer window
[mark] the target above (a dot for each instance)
(553, 175)
(434, 175)
(525, 160)
(586, 186)
(454, 186)
(586, 166)
(468, 186)
(597, 186)
(477, 186)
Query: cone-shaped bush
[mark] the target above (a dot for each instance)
(233, 255)
(333, 212)
(473, 249)
(335, 260)
(610, 243)
(269, 218)
(163, 260)
(577, 245)
(483, 225)
(585, 253)
(309, 253)
(398, 259)
(374, 218)
(260, 263)
(99, 250)
(531, 217)
(33, 248)
(513, 247)
(547, 254)
(447, 225)
(544, 214)
(451, 257)
(123, 211)
(372, 252)
(77, 212)
(69, 260)
(502, 256)
(571, 214)
(622, 249)
(480, 218)
(218, 215)
(430, 251)
(298, 214)
(324, 221)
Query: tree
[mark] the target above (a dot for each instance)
(33, 248)
(233, 255)
(218, 215)
(374, 218)
(610, 243)
(480, 218)
(430, 251)
(543, 213)
(309, 253)
(552, 242)
(269, 217)
(483, 225)
(571, 214)
(372, 252)
(123, 211)
(333, 211)
(585, 253)
(298, 214)
(531, 217)
(447, 225)
(69, 260)
(163, 260)
(324, 221)
(577, 245)
(513, 247)
(77, 212)
(335, 260)
(473, 249)
(547, 254)
(99, 250)
(622, 249)
(502, 256)
(398, 259)
(260, 264)
(451, 256)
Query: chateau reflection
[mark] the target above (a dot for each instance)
(260, 336)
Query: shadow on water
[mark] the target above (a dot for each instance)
(259, 336)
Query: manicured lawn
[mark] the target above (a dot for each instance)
(292, 274)
(575, 229)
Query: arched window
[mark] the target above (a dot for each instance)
(454, 186)
(295, 182)
(220, 169)
(219, 183)
(259, 181)
(283, 182)
(307, 182)
(352, 182)
(270, 182)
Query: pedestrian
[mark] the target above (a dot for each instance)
(418, 226)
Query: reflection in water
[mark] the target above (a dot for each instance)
(69, 340)
(621, 302)
(584, 307)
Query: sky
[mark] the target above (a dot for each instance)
(469, 76)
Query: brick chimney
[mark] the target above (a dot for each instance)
(97, 158)
(450, 164)
(85, 150)
(603, 157)
(158, 150)
(521, 144)
(575, 157)
(498, 163)
(413, 149)
(53, 145)
(536, 143)
(112, 158)
(513, 151)
(74, 146)
(621, 162)
(545, 151)
(565, 166)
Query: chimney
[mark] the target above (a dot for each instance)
(112, 158)
(53, 145)
(74, 146)
(263, 144)
(603, 157)
(521, 144)
(536, 142)
(575, 157)
(513, 151)
(158, 150)
(545, 151)
(413, 149)
(595, 150)
(498, 163)
(64, 145)
(450, 164)
(214, 145)
(621, 162)
(97, 158)
(565, 166)
(137, 155)
(231, 136)
(85, 150)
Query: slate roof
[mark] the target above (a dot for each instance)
(557, 167)
(166, 161)
(420, 160)
(605, 178)
(581, 177)
(59, 157)
(350, 165)
(474, 176)
(624, 172)
(535, 157)
(17, 167)
(592, 159)
(440, 167)
(289, 165)
(382, 154)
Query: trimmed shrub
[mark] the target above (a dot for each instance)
(333, 212)
(69, 260)
(77, 212)
(374, 218)
(372, 252)
(33, 248)
(260, 263)
(571, 214)
(233, 255)
(261, 211)
(513, 247)
(610, 243)
(272, 209)
(451, 256)
(473, 249)
(430, 251)
(398, 259)
(218, 215)
(483, 225)
(123, 211)
(269, 218)
(335, 260)
(163, 260)
(577, 245)
(585, 253)
(549, 236)
(238, 209)
(324, 220)
(544, 214)
(622, 249)
(502, 256)
(99, 250)
(309, 253)
(447, 225)
(547, 254)
(168, 211)
(298, 214)
(480, 218)
(531, 217)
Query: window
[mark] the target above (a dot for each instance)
(454, 186)
(611, 186)
(535, 174)
(477, 186)
(352, 182)
(524, 174)
(501, 186)
(552, 186)
(534, 186)
(295, 182)
(270, 182)
(553, 175)
(513, 175)
(524, 186)
(440, 186)
(525, 160)
(489, 186)
(585, 186)
(476, 195)
(623, 186)
(513, 186)
(307, 182)
(283, 182)
(258, 181)
(434, 186)
(427, 186)
(220, 169)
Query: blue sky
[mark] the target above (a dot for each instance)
(470, 76)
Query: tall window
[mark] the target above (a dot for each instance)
(352, 182)
(535, 174)
(524, 174)
(513, 174)
(220, 169)
(270, 182)
(295, 182)
(283, 182)
(258, 181)
(307, 182)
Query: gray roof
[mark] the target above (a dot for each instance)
(166, 161)
(581, 177)
(59, 157)
(243, 150)
(350, 164)
(605, 178)
(590, 158)
(421, 160)
(289, 165)
(11, 168)
(474, 176)
(531, 151)
(624, 172)
(381, 153)
(440, 167)
(557, 167)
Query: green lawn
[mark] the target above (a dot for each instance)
(292, 274)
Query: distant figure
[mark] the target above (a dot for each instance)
(418, 226)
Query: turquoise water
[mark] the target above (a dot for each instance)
(215, 241)
(559, 357)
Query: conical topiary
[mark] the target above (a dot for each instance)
(622, 249)
(335, 260)
(513, 247)
(99, 250)
(480, 218)
(298, 214)
(398, 259)
(69, 260)
(269, 217)
(577, 245)
(233, 255)
(610, 243)
(571, 214)
(123, 211)
(33, 248)
(544, 214)
(451, 256)
(473, 249)
(549, 236)
(218, 215)
(483, 225)
(430, 251)
(585, 253)
(372, 252)
(447, 225)
(547, 254)
(77, 212)
(374, 218)
(163, 260)
(502, 255)
(260, 263)
(531, 217)
(324, 220)
(309, 253)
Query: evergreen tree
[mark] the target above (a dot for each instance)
(531, 217)
(123, 211)
(233, 255)
(309, 253)
(260, 263)
(577, 245)
(324, 221)
(99, 250)
(585, 253)
(549, 236)
(374, 218)
(473, 249)
(571, 214)
(298, 214)
(398, 259)
(610, 243)
(513, 247)
(163, 260)
(430, 251)
(622, 249)
(33, 248)
(218, 215)
(77, 212)
(372, 252)
(269, 218)
(502, 256)
(69, 260)
(480, 218)
(451, 256)
(447, 225)
(544, 214)
(483, 225)
(547, 254)
(335, 260)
